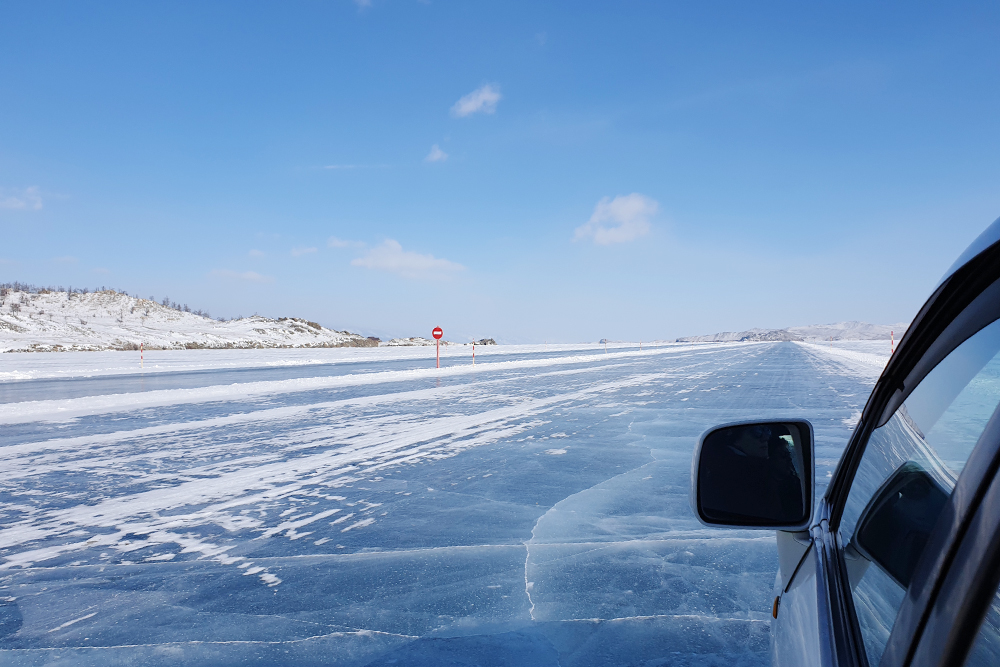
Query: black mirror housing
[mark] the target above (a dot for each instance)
(757, 474)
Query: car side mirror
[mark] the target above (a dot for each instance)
(894, 527)
(755, 475)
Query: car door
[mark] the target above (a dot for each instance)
(868, 588)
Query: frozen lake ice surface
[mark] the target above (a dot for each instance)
(360, 507)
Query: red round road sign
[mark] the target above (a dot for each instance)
(437, 333)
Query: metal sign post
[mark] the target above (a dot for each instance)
(437, 333)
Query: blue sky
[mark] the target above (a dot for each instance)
(527, 171)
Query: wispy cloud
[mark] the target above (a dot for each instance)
(334, 242)
(436, 154)
(248, 276)
(255, 253)
(29, 199)
(65, 260)
(624, 218)
(363, 4)
(391, 257)
(481, 100)
(298, 252)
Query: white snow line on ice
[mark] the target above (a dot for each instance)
(65, 409)
(271, 415)
(223, 642)
(268, 414)
(156, 511)
(359, 524)
(291, 526)
(75, 620)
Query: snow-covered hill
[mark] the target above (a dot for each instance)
(814, 332)
(109, 320)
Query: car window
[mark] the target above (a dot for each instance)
(909, 468)
(985, 650)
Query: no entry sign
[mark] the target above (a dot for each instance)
(437, 333)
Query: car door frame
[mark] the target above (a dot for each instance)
(969, 583)
(965, 301)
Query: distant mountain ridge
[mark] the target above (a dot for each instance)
(48, 321)
(816, 332)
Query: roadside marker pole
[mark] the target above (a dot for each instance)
(473, 352)
(892, 342)
(142, 364)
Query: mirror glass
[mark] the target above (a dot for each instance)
(756, 474)
(894, 528)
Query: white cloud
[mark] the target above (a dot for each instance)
(334, 242)
(27, 199)
(301, 250)
(249, 276)
(483, 99)
(436, 154)
(362, 4)
(256, 253)
(391, 257)
(624, 218)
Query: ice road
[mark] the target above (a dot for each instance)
(360, 507)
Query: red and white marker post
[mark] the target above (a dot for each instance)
(892, 342)
(437, 333)
(142, 364)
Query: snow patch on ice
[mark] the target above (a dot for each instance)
(359, 524)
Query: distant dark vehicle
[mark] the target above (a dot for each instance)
(898, 564)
